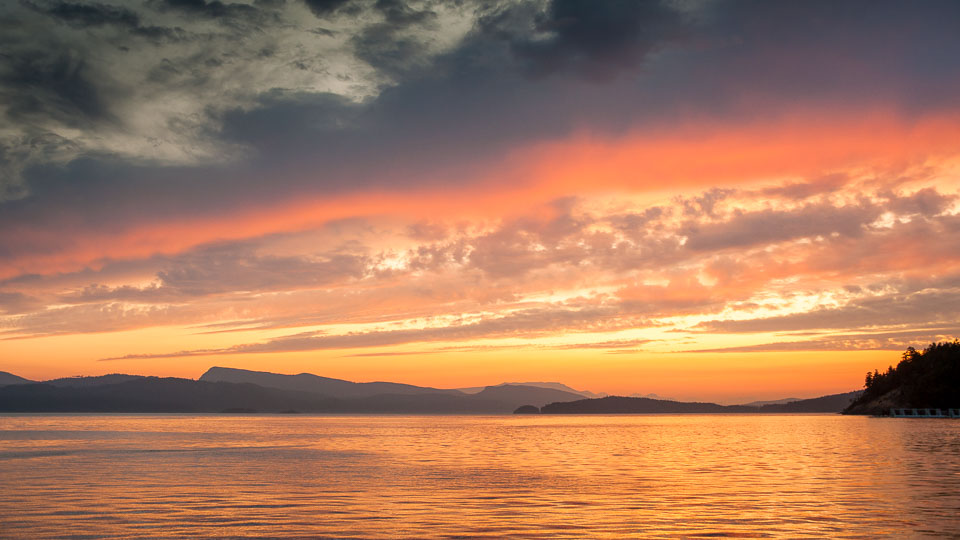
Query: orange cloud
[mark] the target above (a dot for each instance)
(686, 156)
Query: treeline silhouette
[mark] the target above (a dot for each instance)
(927, 378)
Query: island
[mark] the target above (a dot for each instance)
(527, 409)
(833, 403)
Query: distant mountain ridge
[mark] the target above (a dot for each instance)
(552, 385)
(222, 389)
(307, 382)
(772, 402)
(9, 378)
(101, 380)
(517, 393)
(651, 396)
(561, 386)
(831, 403)
(228, 389)
(154, 394)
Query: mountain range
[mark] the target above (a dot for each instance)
(223, 389)
(237, 390)
(554, 385)
(307, 382)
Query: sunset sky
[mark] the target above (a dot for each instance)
(700, 199)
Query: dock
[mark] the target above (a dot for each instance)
(924, 413)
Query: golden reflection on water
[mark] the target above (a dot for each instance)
(455, 476)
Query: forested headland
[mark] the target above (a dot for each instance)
(926, 378)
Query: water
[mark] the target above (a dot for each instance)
(466, 476)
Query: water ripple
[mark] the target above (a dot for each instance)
(711, 476)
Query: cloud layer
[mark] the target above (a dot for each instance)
(639, 178)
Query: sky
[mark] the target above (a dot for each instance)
(702, 199)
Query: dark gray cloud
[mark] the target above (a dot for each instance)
(704, 204)
(323, 8)
(771, 226)
(803, 190)
(445, 113)
(12, 303)
(212, 271)
(597, 40)
(834, 50)
(93, 14)
(92, 318)
(229, 268)
(927, 202)
(390, 46)
(51, 84)
(400, 13)
(212, 8)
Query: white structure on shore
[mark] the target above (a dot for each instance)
(925, 413)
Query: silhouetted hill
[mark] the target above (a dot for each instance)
(634, 405)
(553, 385)
(147, 394)
(771, 402)
(10, 378)
(557, 386)
(310, 393)
(307, 382)
(527, 395)
(113, 378)
(638, 405)
(527, 409)
(153, 394)
(927, 378)
(824, 404)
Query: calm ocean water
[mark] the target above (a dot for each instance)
(465, 476)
